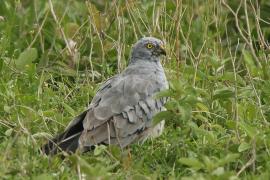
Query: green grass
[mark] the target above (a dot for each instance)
(53, 56)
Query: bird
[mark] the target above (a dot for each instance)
(122, 110)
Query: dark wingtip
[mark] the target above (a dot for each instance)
(50, 148)
(61, 144)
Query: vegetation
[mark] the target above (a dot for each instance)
(55, 53)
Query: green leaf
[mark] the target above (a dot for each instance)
(163, 115)
(229, 76)
(209, 164)
(254, 70)
(99, 149)
(243, 147)
(251, 111)
(231, 124)
(248, 59)
(192, 162)
(208, 135)
(26, 58)
(164, 93)
(7, 108)
(172, 105)
(177, 86)
(202, 107)
(219, 171)
(251, 131)
(186, 111)
(228, 158)
(8, 132)
(200, 117)
(68, 109)
(71, 29)
(223, 93)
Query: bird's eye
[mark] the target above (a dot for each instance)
(149, 46)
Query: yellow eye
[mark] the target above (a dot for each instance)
(149, 45)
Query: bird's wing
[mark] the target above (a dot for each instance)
(106, 85)
(122, 108)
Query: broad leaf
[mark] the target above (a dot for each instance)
(26, 58)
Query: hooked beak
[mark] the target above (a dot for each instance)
(162, 50)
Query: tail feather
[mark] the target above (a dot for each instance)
(60, 143)
(67, 141)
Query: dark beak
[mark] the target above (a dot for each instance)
(162, 50)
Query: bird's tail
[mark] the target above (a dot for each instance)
(67, 141)
(62, 143)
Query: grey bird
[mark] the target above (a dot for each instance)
(121, 112)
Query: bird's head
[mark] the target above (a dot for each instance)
(148, 48)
